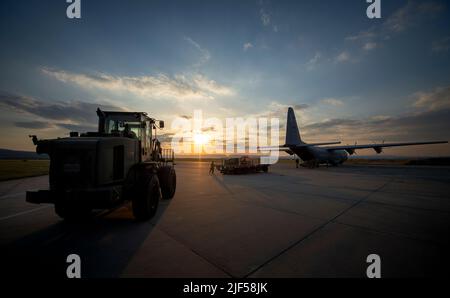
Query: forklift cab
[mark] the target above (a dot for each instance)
(136, 125)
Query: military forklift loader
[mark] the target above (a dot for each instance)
(123, 161)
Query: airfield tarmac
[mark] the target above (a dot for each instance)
(287, 223)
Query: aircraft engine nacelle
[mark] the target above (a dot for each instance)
(378, 149)
(350, 151)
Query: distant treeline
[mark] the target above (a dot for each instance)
(436, 161)
(428, 161)
(26, 155)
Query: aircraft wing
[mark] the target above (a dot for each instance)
(314, 144)
(378, 147)
(290, 147)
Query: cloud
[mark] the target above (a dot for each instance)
(442, 45)
(428, 121)
(81, 127)
(302, 106)
(276, 109)
(331, 124)
(33, 124)
(427, 125)
(368, 46)
(205, 55)
(265, 17)
(401, 19)
(210, 86)
(343, 57)
(363, 35)
(332, 101)
(437, 99)
(208, 129)
(72, 115)
(312, 63)
(247, 46)
(412, 14)
(179, 87)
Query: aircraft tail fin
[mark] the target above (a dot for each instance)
(292, 131)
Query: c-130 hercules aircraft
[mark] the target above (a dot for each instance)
(314, 154)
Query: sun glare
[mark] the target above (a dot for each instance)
(201, 139)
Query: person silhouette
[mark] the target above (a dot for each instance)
(128, 132)
(211, 168)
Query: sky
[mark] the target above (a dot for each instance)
(349, 78)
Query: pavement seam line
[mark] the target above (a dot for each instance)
(316, 229)
(407, 207)
(195, 252)
(400, 235)
(23, 213)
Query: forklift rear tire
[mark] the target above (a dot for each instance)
(146, 199)
(168, 180)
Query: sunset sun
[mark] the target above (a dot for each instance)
(200, 139)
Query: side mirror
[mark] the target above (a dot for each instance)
(161, 124)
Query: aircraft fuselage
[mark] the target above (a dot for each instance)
(321, 155)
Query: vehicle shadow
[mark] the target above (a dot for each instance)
(105, 244)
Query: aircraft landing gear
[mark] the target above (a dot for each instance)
(311, 164)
